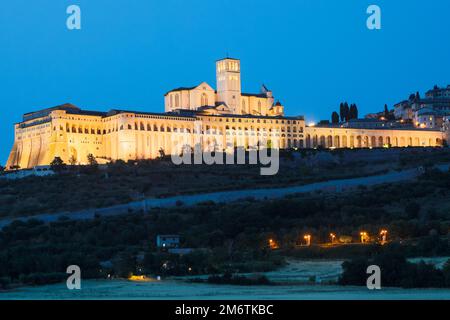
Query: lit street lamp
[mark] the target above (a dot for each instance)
(308, 240)
(273, 244)
(383, 235)
(364, 237)
(333, 237)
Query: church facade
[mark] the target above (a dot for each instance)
(225, 117)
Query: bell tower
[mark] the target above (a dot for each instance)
(228, 76)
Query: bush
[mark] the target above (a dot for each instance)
(43, 278)
(395, 272)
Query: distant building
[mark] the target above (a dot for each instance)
(39, 171)
(429, 118)
(446, 123)
(425, 112)
(168, 241)
(370, 123)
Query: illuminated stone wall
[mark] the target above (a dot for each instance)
(129, 135)
(371, 138)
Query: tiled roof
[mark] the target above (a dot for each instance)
(259, 95)
(180, 89)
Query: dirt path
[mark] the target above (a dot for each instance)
(230, 196)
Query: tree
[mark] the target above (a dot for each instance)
(341, 112)
(124, 264)
(386, 112)
(57, 164)
(446, 271)
(353, 112)
(412, 210)
(346, 111)
(335, 117)
(91, 160)
(417, 97)
(162, 153)
(72, 160)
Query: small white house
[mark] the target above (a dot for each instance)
(168, 241)
(39, 171)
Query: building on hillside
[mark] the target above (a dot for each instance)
(37, 171)
(222, 119)
(425, 112)
(168, 241)
(370, 123)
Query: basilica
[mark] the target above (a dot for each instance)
(225, 115)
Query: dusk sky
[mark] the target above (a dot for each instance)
(313, 54)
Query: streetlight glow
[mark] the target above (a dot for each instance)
(308, 239)
(333, 237)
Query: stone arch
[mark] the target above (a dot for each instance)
(352, 142)
(380, 142)
(359, 142)
(322, 141)
(365, 142)
(315, 143)
(301, 144)
(329, 142)
(308, 141)
(373, 142)
(337, 142)
(395, 144)
(344, 142)
(417, 142)
(402, 142)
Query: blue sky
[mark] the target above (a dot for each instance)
(312, 53)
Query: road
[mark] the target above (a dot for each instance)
(341, 185)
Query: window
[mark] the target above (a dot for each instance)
(177, 101)
(204, 99)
